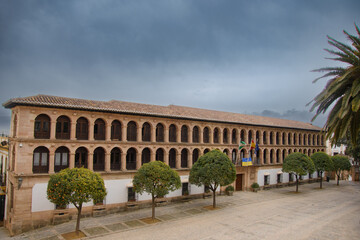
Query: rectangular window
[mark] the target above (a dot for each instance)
(64, 159)
(65, 127)
(266, 180)
(37, 126)
(45, 126)
(36, 159)
(57, 159)
(58, 127)
(131, 195)
(185, 189)
(43, 159)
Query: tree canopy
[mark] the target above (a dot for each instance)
(213, 169)
(76, 186)
(322, 163)
(342, 90)
(298, 164)
(341, 163)
(157, 179)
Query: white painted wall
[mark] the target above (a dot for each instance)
(117, 192)
(273, 176)
(39, 199)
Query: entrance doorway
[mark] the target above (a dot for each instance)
(239, 178)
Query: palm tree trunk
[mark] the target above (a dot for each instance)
(78, 219)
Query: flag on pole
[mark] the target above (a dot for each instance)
(241, 145)
(246, 162)
(252, 145)
(257, 149)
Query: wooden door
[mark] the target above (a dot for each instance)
(239, 182)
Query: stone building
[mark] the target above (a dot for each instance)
(115, 138)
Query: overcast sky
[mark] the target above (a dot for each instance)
(251, 57)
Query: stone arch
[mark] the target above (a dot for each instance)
(145, 156)
(146, 132)
(40, 160)
(116, 130)
(159, 156)
(131, 155)
(115, 159)
(99, 159)
(172, 157)
(81, 157)
(184, 133)
(184, 158)
(63, 127)
(42, 126)
(131, 133)
(195, 155)
(172, 133)
(160, 132)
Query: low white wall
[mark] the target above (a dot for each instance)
(117, 192)
(273, 176)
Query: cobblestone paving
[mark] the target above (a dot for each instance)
(330, 213)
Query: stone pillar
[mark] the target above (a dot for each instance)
(280, 139)
(90, 161)
(73, 131)
(211, 136)
(166, 157)
(201, 135)
(138, 161)
(107, 162)
(268, 138)
(178, 160)
(153, 133)
(139, 134)
(108, 132)
(123, 133)
(52, 129)
(166, 134)
(190, 136)
(178, 134)
(268, 156)
(71, 160)
(221, 137)
(152, 156)
(189, 162)
(91, 131)
(123, 161)
(51, 161)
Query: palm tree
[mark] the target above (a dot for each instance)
(342, 89)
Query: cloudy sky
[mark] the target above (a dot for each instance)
(251, 57)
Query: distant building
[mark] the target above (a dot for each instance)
(115, 138)
(335, 149)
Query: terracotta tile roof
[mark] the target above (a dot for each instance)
(171, 111)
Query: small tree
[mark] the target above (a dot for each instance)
(322, 163)
(213, 169)
(76, 186)
(341, 163)
(157, 179)
(298, 164)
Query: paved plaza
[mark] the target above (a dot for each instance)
(330, 213)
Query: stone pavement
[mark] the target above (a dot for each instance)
(331, 213)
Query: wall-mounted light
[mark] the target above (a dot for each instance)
(20, 180)
(20, 145)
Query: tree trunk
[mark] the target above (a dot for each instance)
(338, 178)
(297, 184)
(214, 199)
(153, 207)
(321, 179)
(78, 219)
